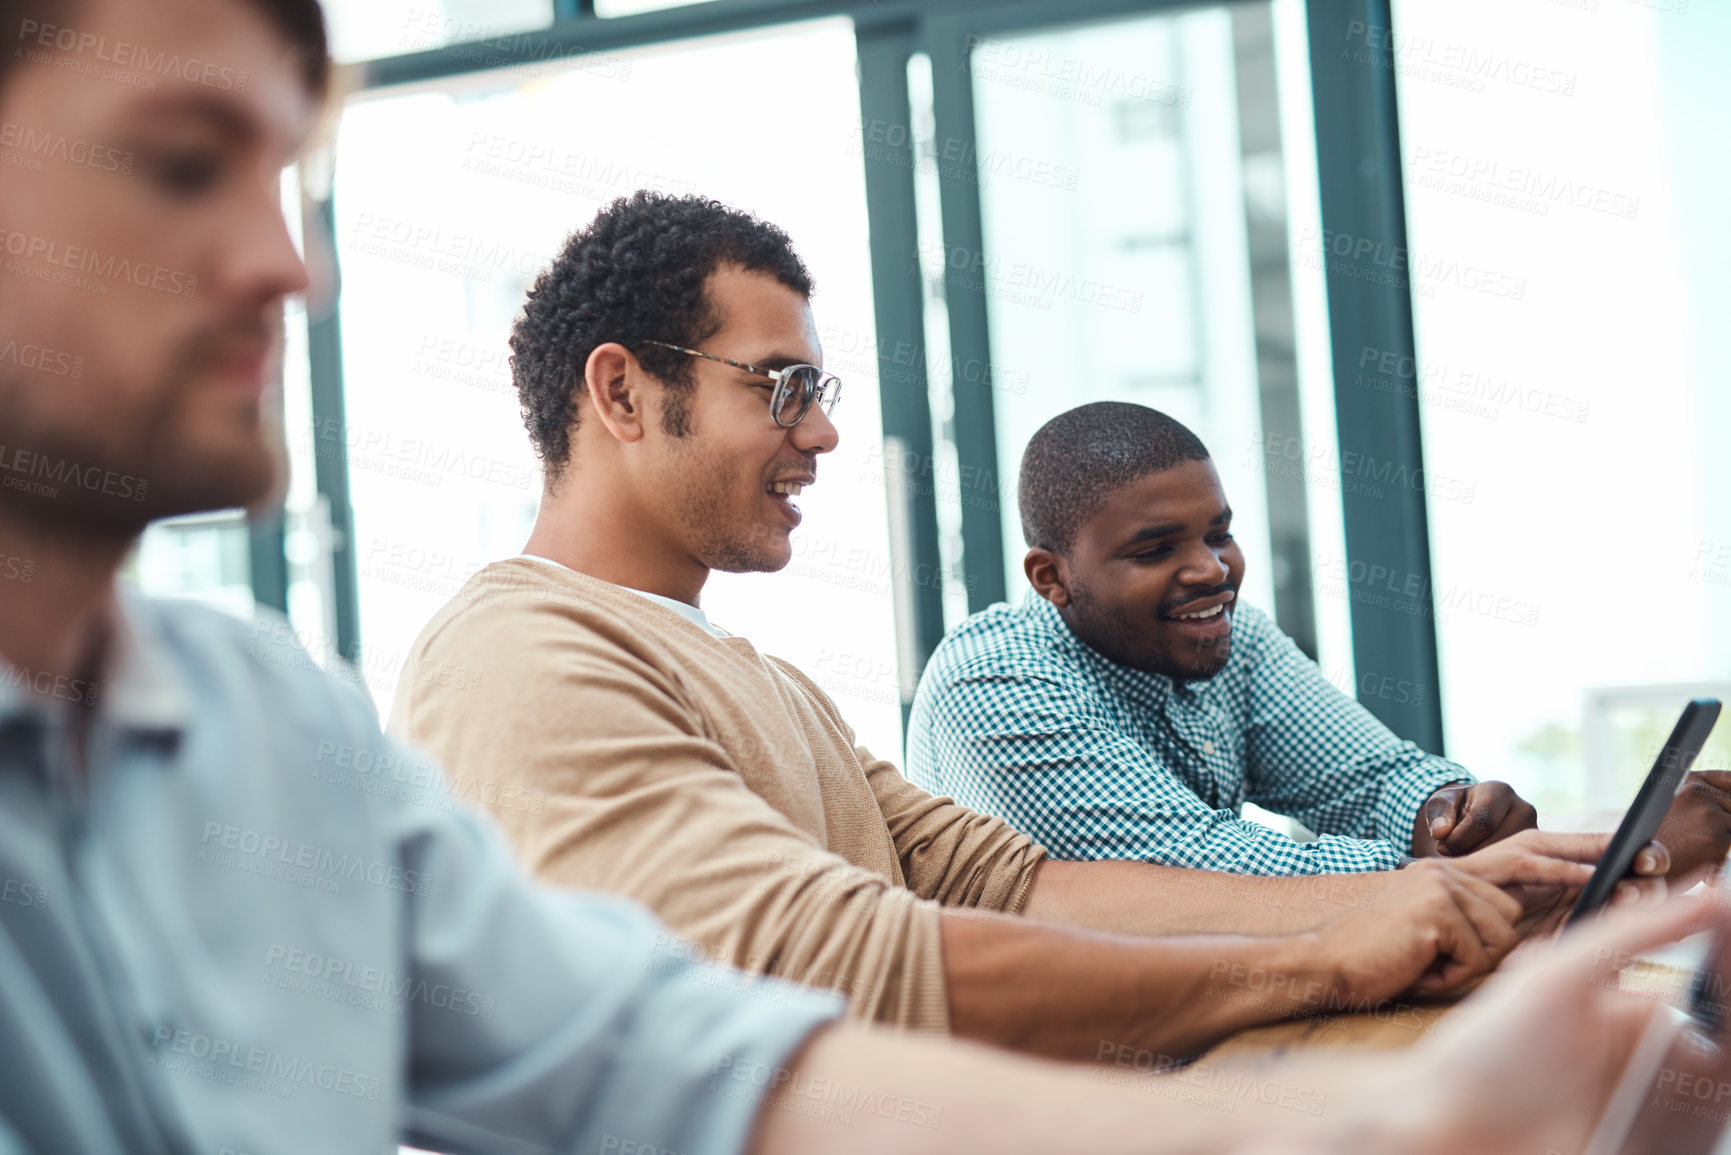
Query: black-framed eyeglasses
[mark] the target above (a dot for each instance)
(797, 387)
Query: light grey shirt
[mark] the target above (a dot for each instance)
(257, 925)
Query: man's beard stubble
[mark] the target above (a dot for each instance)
(61, 482)
(702, 512)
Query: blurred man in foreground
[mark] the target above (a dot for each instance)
(206, 945)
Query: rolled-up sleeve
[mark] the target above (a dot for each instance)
(949, 852)
(586, 1025)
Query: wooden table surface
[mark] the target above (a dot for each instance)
(1389, 1027)
(1393, 1025)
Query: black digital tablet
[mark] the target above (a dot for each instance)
(1651, 805)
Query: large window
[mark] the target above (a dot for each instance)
(1569, 248)
(1141, 213)
(1138, 181)
(1139, 189)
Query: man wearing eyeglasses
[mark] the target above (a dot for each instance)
(669, 374)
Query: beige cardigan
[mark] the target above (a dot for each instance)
(716, 785)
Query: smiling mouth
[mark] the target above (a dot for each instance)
(1200, 615)
(782, 494)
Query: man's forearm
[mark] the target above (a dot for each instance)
(1141, 898)
(1074, 994)
(937, 1098)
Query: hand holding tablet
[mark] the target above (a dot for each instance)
(1652, 803)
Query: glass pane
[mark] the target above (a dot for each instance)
(1138, 196)
(199, 557)
(449, 203)
(1565, 205)
(632, 7)
(367, 29)
(939, 360)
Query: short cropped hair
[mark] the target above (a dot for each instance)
(636, 274)
(1079, 458)
(301, 22)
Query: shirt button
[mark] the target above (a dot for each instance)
(1208, 748)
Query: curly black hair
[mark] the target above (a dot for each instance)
(635, 275)
(1075, 461)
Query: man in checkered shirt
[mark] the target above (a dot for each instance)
(1132, 704)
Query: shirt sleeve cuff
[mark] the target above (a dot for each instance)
(1399, 806)
(1342, 855)
(713, 1066)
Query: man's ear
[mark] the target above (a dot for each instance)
(1045, 571)
(613, 379)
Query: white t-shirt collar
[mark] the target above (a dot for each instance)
(689, 612)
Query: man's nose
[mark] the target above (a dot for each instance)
(263, 262)
(1204, 567)
(815, 433)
